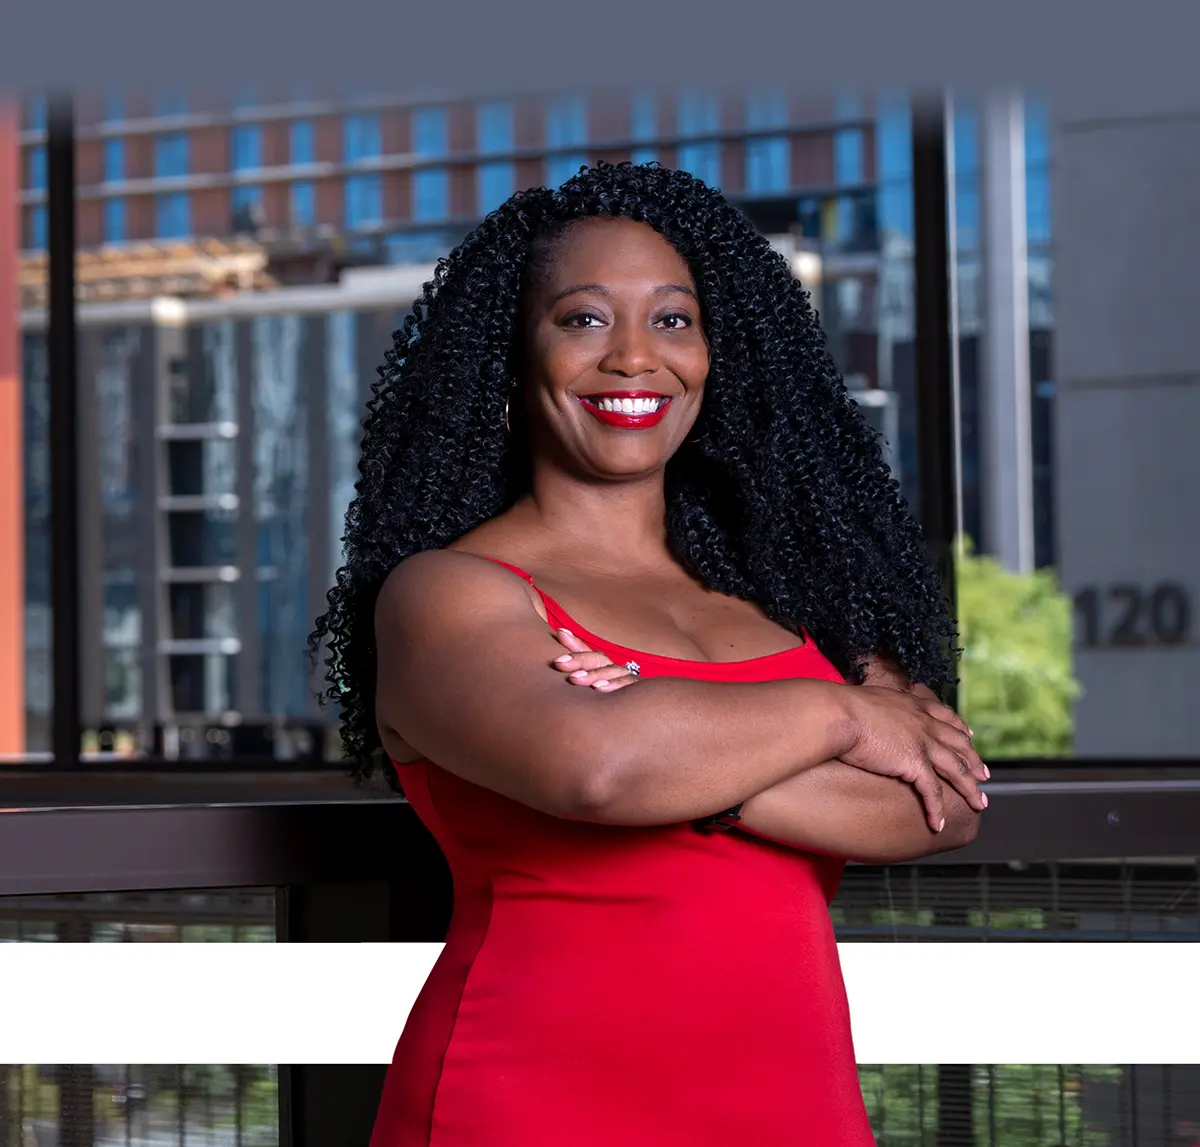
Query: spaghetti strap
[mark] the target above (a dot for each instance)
(514, 569)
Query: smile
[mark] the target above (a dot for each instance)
(627, 409)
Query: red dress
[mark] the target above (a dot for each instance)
(625, 987)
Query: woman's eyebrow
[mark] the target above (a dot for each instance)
(600, 289)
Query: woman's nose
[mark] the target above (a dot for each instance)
(630, 352)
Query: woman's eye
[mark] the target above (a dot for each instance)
(584, 321)
(676, 322)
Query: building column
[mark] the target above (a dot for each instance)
(1006, 442)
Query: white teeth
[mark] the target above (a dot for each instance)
(629, 405)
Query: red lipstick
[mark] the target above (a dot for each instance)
(625, 420)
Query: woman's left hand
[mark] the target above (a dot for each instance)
(589, 669)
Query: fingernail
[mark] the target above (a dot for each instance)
(970, 731)
(941, 824)
(987, 773)
(563, 659)
(983, 796)
(567, 632)
(601, 684)
(580, 673)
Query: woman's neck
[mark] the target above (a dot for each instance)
(618, 523)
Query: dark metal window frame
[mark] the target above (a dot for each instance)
(352, 865)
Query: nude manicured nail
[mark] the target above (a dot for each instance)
(941, 824)
(580, 673)
(983, 797)
(567, 632)
(987, 773)
(563, 659)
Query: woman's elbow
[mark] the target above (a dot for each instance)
(598, 791)
(964, 825)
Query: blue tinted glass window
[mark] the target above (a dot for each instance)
(115, 230)
(430, 131)
(172, 216)
(303, 204)
(244, 98)
(703, 160)
(431, 194)
(848, 156)
(418, 247)
(766, 109)
(644, 155)
(643, 116)
(171, 155)
(114, 160)
(363, 138)
(1037, 206)
(37, 169)
(768, 159)
(246, 146)
(495, 182)
(966, 138)
(893, 163)
(1037, 133)
(1037, 173)
(893, 138)
(35, 113)
(246, 195)
(114, 107)
(303, 142)
(566, 121)
(767, 165)
(560, 168)
(698, 113)
(37, 228)
(364, 200)
(494, 127)
(848, 163)
(966, 211)
(966, 174)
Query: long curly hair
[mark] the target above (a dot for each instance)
(780, 497)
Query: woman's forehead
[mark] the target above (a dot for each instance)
(605, 251)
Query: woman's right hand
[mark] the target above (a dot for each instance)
(915, 738)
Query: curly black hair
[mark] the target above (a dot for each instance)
(780, 497)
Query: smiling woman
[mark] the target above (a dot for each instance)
(610, 426)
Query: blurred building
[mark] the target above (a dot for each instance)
(402, 181)
(241, 270)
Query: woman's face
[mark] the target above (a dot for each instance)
(615, 357)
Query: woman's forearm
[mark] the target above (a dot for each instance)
(841, 811)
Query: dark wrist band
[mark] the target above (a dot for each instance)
(721, 822)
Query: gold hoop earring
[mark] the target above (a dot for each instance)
(507, 403)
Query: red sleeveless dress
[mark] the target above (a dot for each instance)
(625, 987)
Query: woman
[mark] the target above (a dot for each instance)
(612, 414)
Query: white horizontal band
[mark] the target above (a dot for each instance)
(330, 1003)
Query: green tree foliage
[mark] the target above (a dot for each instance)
(1017, 688)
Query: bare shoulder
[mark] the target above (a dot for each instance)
(432, 586)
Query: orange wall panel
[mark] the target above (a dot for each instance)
(12, 490)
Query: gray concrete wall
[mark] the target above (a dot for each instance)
(1127, 300)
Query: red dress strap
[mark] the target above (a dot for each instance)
(514, 569)
(556, 616)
